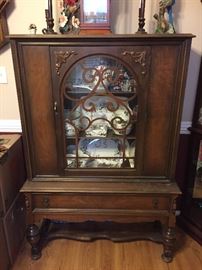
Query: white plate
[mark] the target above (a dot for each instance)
(100, 148)
(107, 152)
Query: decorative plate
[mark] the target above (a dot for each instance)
(111, 115)
(101, 152)
(100, 148)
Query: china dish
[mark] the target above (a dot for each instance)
(100, 147)
(100, 153)
(107, 152)
(99, 114)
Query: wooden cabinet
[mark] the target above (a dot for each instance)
(12, 170)
(101, 118)
(14, 224)
(196, 131)
(4, 258)
(12, 203)
(191, 218)
(1, 204)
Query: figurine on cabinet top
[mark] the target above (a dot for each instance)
(32, 28)
(165, 17)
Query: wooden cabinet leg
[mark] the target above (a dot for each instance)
(169, 242)
(33, 237)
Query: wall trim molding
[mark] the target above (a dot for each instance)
(15, 126)
(10, 126)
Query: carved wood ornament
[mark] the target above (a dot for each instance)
(138, 57)
(27, 202)
(3, 22)
(61, 58)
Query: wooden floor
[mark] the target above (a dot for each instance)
(106, 255)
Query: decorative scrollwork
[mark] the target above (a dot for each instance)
(61, 58)
(139, 57)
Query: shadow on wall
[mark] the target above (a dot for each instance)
(124, 16)
(176, 14)
(191, 85)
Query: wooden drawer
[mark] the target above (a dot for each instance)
(4, 257)
(97, 201)
(14, 224)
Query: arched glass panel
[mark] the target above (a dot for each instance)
(100, 113)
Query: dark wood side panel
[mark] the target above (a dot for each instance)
(13, 175)
(4, 258)
(41, 118)
(14, 224)
(161, 100)
(1, 204)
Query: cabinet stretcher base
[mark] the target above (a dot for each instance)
(91, 231)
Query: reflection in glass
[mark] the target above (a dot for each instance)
(95, 11)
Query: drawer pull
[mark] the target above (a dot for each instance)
(155, 203)
(46, 202)
(55, 107)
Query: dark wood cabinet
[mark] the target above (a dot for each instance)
(101, 118)
(12, 169)
(4, 257)
(14, 224)
(191, 217)
(1, 204)
(12, 203)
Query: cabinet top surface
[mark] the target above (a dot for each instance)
(105, 37)
(100, 187)
(7, 140)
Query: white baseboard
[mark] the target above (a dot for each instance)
(15, 126)
(10, 126)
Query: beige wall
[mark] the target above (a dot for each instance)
(188, 19)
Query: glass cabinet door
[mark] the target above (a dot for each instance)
(100, 107)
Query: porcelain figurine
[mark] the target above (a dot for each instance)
(165, 17)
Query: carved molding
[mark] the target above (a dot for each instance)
(138, 57)
(174, 206)
(27, 202)
(61, 58)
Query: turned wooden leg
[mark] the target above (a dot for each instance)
(169, 241)
(33, 237)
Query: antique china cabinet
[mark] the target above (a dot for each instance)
(101, 118)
